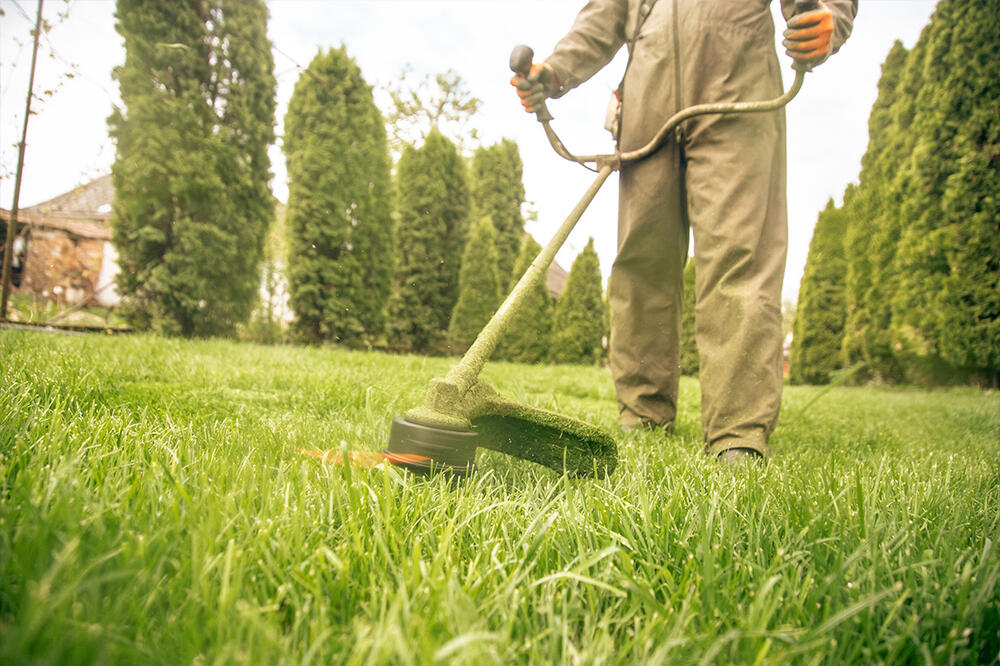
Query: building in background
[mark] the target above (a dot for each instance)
(64, 247)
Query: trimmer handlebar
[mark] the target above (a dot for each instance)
(520, 63)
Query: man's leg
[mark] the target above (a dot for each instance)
(646, 289)
(737, 208)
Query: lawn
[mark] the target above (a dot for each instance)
(153, 509)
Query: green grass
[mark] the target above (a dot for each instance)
(28, 308)
(153, 510)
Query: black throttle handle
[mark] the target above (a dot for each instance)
(520, 59)
(520, 63)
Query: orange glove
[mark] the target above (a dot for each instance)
(540, 84)
(808, 34)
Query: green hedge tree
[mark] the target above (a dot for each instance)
(191, 171)
(946, 312)
(875, 217)
(478, 287)
(888, 191)
(578, 330)
(529, 334)
(867, 235)
(689, 346)
(819, 315)
(498, 192)
(342, 255)
(433, 210)
(888, 219)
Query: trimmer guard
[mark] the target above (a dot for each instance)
(547, 438)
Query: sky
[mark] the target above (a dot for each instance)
(68, 145)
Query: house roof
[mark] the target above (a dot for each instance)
(84, 211)
(81, 228)
(90, 201)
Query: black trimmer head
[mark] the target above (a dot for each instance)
(547, 438)
(426, 449)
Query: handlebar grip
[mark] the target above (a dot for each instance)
(520, 63)
(520, 59)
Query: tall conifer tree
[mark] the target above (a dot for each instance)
(339, 204)
(891, 191)
(819, 315)
(433, 210)
(528, 336)
(578, 331)
(498, 192)
(478, 287)
(865, 207)
(946, 312)
(192, 199)
(874, 209)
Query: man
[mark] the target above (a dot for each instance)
(722, 177)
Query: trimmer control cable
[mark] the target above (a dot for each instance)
(520, 63)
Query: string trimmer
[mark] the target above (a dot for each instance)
(462, 413)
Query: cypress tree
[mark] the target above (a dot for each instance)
(498, 192)
(863, 206)
(946, 312)
(478, 287)
(192, 201)
(819, 315)
(875, 211)
(528, 336)
(689, 346)
(579, 319)
(888, 222)
(339, 204)
(433, 208)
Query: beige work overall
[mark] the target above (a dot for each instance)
(722, 178)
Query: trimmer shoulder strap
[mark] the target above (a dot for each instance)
(614, 126)
(645, 9)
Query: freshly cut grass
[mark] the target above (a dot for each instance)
(154, 509)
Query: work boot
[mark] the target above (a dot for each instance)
(740, 457)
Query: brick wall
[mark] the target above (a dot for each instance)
(60, 268)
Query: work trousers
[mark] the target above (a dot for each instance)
(722, 179)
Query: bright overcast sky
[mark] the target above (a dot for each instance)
(68, 142)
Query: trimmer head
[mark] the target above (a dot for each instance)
(424, 442)
(441, 450)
